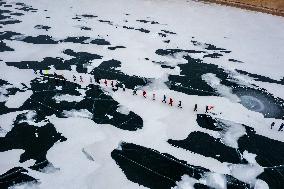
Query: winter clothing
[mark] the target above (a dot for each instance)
(179, 104)
(171, 102)
(272, 124)
(195, 107)
(164, 99)
(281, 127)
(144, 94)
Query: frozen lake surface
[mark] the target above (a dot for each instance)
(69, 119)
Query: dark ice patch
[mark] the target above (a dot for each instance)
(273, 176)
(208, 146)
(142, 30)
(15, 176)
(40, 39)
(80, 59)
(147, 21)
(213, 55)
(26, 8)
(268, 151)
(261, 77)
(79, 39)
(162, 34)
(89, 16)
(106, 21)
(234, 60)
(173, 52)
(7, 22)
(107, 70)
(4, 47)
(128, 27)
(151, 168)
(259, 100)
(85, 28)
(22, 136)
(100, 42)
(104, 110)
(168, 32)
(46, 28)
(116, 47)
(17, 14)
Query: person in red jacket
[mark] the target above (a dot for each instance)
(144, 94)
(171, 102)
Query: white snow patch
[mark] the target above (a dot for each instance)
(212, 80)
(4, 92)
(260, 184)
(246, 173)
(215, 180)
(123, 110)
(17, 100)
(67, 98)
(186, 182)
(6, 121)
(26, 185)
(250, 157)
(231, 133)
(11, 158)
(84, 113)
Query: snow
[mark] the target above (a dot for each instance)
(215, 180)
(123, 110)
(3, 93)
(223, 90)
(246, 173)
(6, 121)
(254, 38)
(78, 113)
(260, 184)
(67, 98)
(186, 182)
(17, 100)
(249, 157)
(11, 158)
(232, 133)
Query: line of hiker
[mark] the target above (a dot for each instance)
(116, 85)
(280, 127)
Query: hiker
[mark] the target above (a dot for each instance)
(74, 78)
(164, 100)
(91, 80)
(123, 87)
(179, 104)
(281, 127)
(40, 71)
(112, 85)
(206, 109)
(195, 107)
(105, 82)
(272, 125)
(144, 94)
(117, 86)
(171, 102)
(81, 78)
(97, 80)
(154, 96)
(134, 91)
